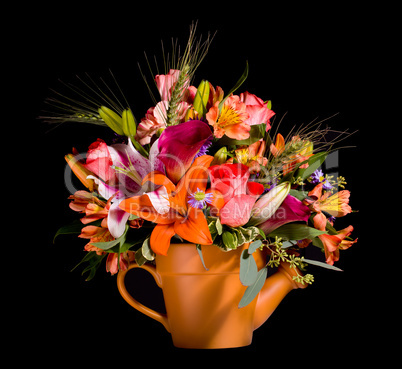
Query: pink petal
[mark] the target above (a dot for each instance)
(291, 210)
(237, 210)
(117, 219)
(179, 144)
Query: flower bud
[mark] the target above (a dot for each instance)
(220, 156)
(268, 204)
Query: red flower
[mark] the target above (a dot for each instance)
(239, 195)
(99, 160)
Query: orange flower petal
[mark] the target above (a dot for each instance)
(142, 207)
(160, 238)
(195, 178)
(80, 171)
(194, 228)
(160, 179)
(279, 145)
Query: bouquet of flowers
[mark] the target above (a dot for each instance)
(202, 166)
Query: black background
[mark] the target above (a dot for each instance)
(308, 60)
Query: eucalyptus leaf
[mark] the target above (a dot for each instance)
(321, 264)
(253, 290)
(287, 244)
(139, 258)
(248, 269)
(201, 256)
(147, 251)
(254, 246)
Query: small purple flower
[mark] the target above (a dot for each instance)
(199, 199)
(318, 177)
(204, 148)
(331, 219)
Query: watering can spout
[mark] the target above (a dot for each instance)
(276, 287)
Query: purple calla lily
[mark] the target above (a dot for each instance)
(178, 145)
(291, 210)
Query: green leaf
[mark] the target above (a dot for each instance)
(218, 226)
(248, 269)
(88, 256)
(242, 78)
(108, 245)
(314, 163)
(198, 246)
(253, 290)
(212, 227)
(296, 231)
(139, 258)
(321, 264)
(128, 124)
(201, 98)
(74, 228)
(112, 119)
(147, 251)
(94, 261)
(229, 240)
(254, 246)
(300, 195)
(269, 104)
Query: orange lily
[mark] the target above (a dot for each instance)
(279, 146)
(182, 219)
(80, 171)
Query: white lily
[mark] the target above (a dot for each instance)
(268, 204)
(131, 167)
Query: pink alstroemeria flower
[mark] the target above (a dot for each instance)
(239, 195)
(155, 118)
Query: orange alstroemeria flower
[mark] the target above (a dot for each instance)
(336, 205)
(180, 218)
(231, 121)
(332, 243)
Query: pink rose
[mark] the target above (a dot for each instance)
(99, 161)
(239, 195)
(257, 110)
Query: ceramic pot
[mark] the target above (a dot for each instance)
(202, 305)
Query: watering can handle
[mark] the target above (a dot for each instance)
(162, 318)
